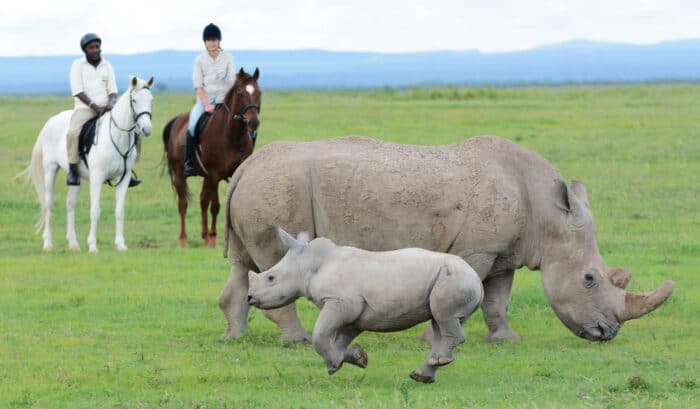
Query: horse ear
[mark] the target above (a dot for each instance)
(256, 74)
(150, 81)
(134, 81)
(241, 72)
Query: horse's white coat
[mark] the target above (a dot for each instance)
(104, 162)
(250, 89)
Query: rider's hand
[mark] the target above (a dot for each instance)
(107, 107)
(209, 108)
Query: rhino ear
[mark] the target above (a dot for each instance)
(561, 196)
(289, 241)
(569, 202)
(303, 237)
(579, 190)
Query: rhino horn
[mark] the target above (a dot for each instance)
(637, 305)
(252, 276)
(620, 277)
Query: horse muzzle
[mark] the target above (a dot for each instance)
(253, 124)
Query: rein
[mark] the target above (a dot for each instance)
(130, 132)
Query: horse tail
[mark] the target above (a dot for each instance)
(166, 140)
(36, 171)
(166, 133)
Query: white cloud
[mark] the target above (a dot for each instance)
(53, 27)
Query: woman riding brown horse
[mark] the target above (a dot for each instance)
(226, 141)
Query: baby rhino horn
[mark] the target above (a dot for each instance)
(252, 277)
(637, 305)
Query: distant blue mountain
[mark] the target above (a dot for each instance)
(574, 62)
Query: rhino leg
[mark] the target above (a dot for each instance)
(448, 334)
(232, 301)
(287, 319)
(355, 355)
(495, 307)
(331, 336)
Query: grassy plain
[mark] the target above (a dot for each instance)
(142, 329)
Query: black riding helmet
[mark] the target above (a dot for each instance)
(211, 32)
(88, 38)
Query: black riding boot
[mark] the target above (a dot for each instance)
(135, 181)
(190, 146)
(73, 178)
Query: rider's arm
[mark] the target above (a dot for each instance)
(203, 99)
(112, 101)
(81, 96)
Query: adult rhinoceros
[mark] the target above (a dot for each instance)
(485, 199)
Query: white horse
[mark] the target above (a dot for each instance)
(110, 160)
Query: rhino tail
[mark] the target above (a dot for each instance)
(228, 228)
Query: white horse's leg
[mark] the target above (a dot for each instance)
(95, 191)
(120, 196)
(49, 179)
(71, 203)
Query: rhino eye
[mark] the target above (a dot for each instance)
(270, 278)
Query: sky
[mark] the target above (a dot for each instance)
(54, 27)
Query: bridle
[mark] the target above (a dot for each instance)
(130, 132)
(134, 115)
(240, 116)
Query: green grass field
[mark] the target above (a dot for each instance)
(142, 329)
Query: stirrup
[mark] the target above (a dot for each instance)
(135, 181)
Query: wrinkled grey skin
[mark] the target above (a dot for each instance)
(359, 290)
(485, 199)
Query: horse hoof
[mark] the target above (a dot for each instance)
(92, 250)
(74, 247)
(48, 247)
(418, 377)
(122, 248)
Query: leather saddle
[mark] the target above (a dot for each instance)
(202, 122)
(87, 138)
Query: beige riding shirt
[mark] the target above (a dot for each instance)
(96, 82)
(214, 76)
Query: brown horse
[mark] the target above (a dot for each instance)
(225, 143)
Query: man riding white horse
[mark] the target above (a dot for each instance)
(95, 92)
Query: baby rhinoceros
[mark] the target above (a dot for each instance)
(360, 290)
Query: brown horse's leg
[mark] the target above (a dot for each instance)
(204, 201)
(214, 209)
(180, 184)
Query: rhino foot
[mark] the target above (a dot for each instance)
(419, 377)
(505, 335)
(333, 368)
(296, 336)
(439, 360)
(359, 357)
